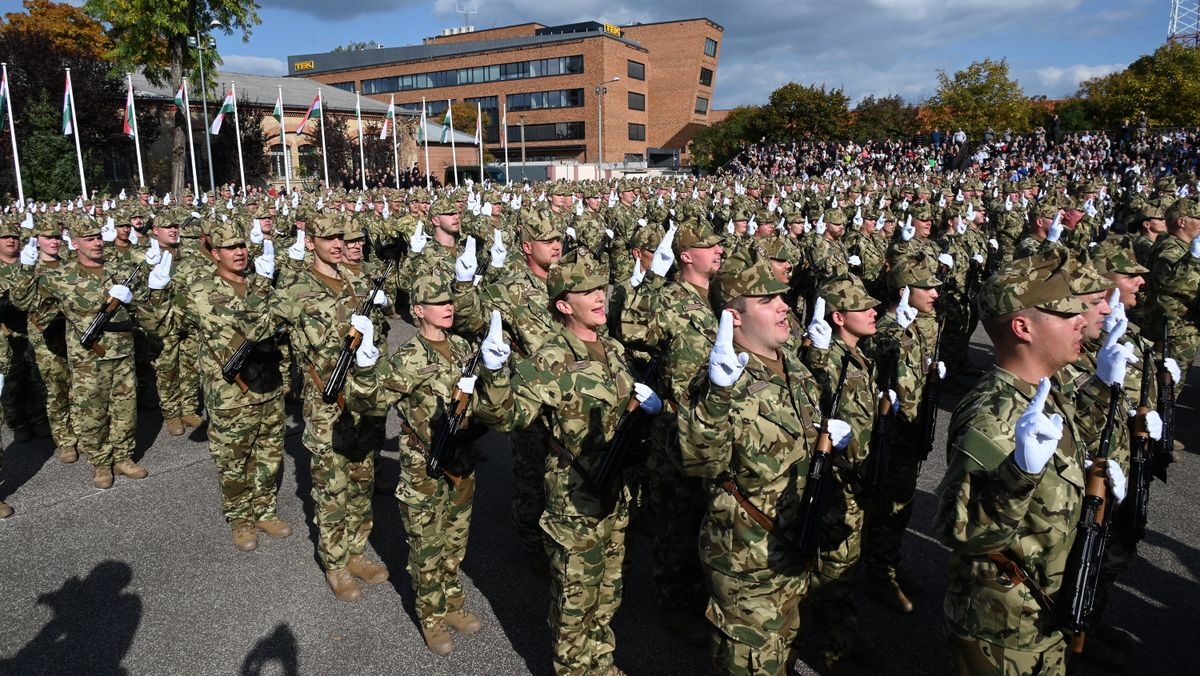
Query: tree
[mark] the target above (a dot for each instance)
(980, 96)
(1165, 84)
(715, 144)
(357, 46)
(341, 147)
(883, 118)
(805, 111)
(224, 149)
(153, 35)
(464, 117)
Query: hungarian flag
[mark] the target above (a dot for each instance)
(180, 98)
(226, 107)
(388, 120)
(314, 111)
(3, 101)
(130, 126)
(421, 136)
(68, 106)
(478, 125)
(278, 112)
(447, 124)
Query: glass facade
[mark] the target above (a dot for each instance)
(490, 106)
(554, 131)
(559, 98)
(637, 101)
(520, 70)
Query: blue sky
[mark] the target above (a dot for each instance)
(868, 47)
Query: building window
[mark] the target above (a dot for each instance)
(559, 98)
(432, 108)
(637, 132)
(520, 70)
(637, 101)
(710, 47)
(554, 131)
(489, 106)
(636, 71)
(706, 77)
(344, 86)
(277, 158)
(701, 105)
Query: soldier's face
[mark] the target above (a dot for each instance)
(328, 250)
(438, 316)
(353, 251)
(860, 323)
(543, 254)
(49, 246)
(9, 245)
(1129, 285)
(593, 203)
(558, 201)
(1056, 339)
(448, 223)
(763, 325)
(781, 270)
(1155, 225)
(137, 221)
(626, 197)
(584, 308)
(1098, 309)
(167, 235)
(266, 224)
(922, 298)
(231, 259)
(90, 248)
(923, 227)
(706, 261)
(123, 232)
(740, 227)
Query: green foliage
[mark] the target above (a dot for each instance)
(464, 117)
(47, 157)
(883, 118)
(224, 147)
(797, 111)
(340, 145)
(1165, 85)
(715, 144)
(981, 95)
(357, 46)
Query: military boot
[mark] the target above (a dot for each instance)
(174, 427)
(343, 585)
(245, 537)
(193, 421)
(103, 476)
(437, 639)
(463, 621)
(276, 528)
(887, 593)
(68, 454)
(5, 510)
(131, 469)
(366, 570)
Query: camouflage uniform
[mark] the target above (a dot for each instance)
(1174, 282)
(174, 354)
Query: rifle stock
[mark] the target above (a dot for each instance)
(1134, 513)
(332, 392)
(442, 452)
(815, 487)
(1164, 450)
(606, 470)
(91, 335)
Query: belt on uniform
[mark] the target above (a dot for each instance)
(1019, 575)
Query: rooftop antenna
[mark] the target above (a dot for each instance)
(466, 11)
(1184, 27)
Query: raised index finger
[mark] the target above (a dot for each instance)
(495, 327)
(1114, 298)
(819, 309)
(904, 295)
(1039, 398)
(470, 248)
(725, 330)
(1118, 331)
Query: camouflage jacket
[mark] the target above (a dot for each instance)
(677, 318)
(859, 398)
(761, 432)
(1174, 282)
(79, 293)
(522, 301)
(319, 320)
(986, 503)
(14, 320)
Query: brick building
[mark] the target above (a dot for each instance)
(658, 81)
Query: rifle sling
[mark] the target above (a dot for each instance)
(725, 481)
(415, 440)
(1017, 573)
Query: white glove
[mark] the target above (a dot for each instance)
(380, 298)
(134, 236)
(1, 382)
(1116, 480)
(905, 313)
(610, 233)
(153, 253)
(1037, 434)
(1056, 228)
(367, 354)
(498, 252)
(1118, 311)
(612, 199)
(664, 257)
(264, 265)
(571, 232)
(908, 230)
(1113, 357)
(160, 274)
(892, 397)
(819, 330)
(854, 260)
(638, 275)
(256, 233)
(1172, 367)
(978, 258)
(108, 232)
(725, 366)
(729, 227)
(995, 246)
(495, 352)
(1196, 247)
(648, 401)
(29, 252)
(466, 264)
(466, 384)
(417, 242)
(121, 293)
(1154, 423)
(296, 250)
(947, 260)
(820, 226)
(839, 433)
(961, 227)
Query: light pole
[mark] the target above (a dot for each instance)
(601, 90)
(201, 43)
(522, 120)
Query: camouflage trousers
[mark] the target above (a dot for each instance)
(247, 445)
(678, 503)
(104, 407)
(23, 398)
(884, 531)
(972, 657)
(437, 520)
(586, 554)
(832, 586)
(957, 339)
(56, 374)
(757, 620)
(343, 473)
(176, 374)
(529, 448)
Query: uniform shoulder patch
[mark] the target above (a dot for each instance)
(757, 386)
(426, 370)
(691, 307)
(577, 366)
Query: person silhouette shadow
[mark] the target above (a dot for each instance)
(279, 646)
(93, 626)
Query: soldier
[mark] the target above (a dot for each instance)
(246, 417)
(316, 307)
(1175, 283)
(174, 361)
(23, 402)
(750, 432)
(579, 383)
(1045, 229)
(999, 508)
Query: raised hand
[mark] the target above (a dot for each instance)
(1037, 433)
(905, 313)
(296, 250)
(417, 242)
(724, 365)
(153, 253)
(498, 253)
(160, 274)
(494, 350)
(466, 264)
(664, 256)
(1114, 357)
(819, 330)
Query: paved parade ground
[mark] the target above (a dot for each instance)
(143, 578)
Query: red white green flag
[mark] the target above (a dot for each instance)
(68, 104)
(388, 120)
(314, 111)
(226, 107)
(130, 126)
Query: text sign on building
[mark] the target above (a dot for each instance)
(613, 30)
(303, 65)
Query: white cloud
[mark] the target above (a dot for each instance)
(253, 65)
(1067, 79)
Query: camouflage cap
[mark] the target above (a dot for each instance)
(562, 188)
(432, 288)
(745, 273)
(591, 191)
(921, 211)
(419, 195)
(225, 234)
(696, 233)
(1186, 207)
(775, 248)
(10, 227)
(1115, 254)
(647, 237)
(1166, 184)
(325, 226)
(539, 227)
(1152, 209)
(83, 227)
(917, 270)
(1037, 281)
(1046, 209)
(442, 206)
(577, 271)
(354, 230)
(1084, 277)
(846, 293)
(47, 225)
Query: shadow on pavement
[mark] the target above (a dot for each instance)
(23, 461)
(93, 626)
(277, 647)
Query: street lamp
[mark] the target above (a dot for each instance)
(522, 121)
(201, 43)
(601, 90)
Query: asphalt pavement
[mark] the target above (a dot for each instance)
(143, 578)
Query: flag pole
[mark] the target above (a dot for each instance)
(12, 135)
(362, 156)
(237, 130)
(137, 138)
(479, 128)
(504, 139)
(75, 133)
(395, 147)
(187, 115)
(324, 156)
(287, 155)
(425, 135)
(450, 131)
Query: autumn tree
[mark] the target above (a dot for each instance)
(883, 118)
(715, 144)
(1165, 85)
(797, 111)
(981, 95)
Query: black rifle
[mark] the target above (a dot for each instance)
(105, 315)
(441, 452)
(1135, 510)
(1082, 574)
(1164, 450)
(881, 435)
(606, 470)
(337, 378)
(232, 369)
(812, 502)
(930, 394)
